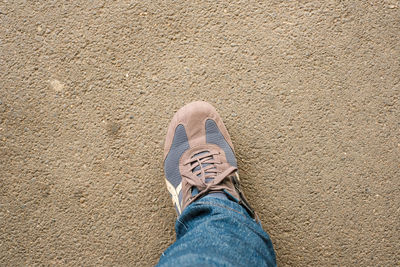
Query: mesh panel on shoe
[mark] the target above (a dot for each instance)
(214, 136)
(171, 164)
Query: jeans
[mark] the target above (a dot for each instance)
(218, 232)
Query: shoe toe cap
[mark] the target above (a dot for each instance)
(193, 117)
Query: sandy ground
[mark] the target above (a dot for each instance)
(309, 92)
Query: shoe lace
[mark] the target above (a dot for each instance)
(206, 172)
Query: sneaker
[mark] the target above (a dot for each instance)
(199, 158)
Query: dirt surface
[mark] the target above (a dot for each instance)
(309, 92)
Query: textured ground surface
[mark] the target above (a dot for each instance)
(309, 92)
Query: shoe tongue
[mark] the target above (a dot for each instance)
(207, 180)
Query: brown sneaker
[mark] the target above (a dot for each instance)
(199, 157)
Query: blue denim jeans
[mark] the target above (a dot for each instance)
(218, 232)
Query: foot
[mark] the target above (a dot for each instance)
(199, 158)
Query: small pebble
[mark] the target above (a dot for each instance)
(57, 85)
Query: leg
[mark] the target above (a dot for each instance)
(218, 232)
